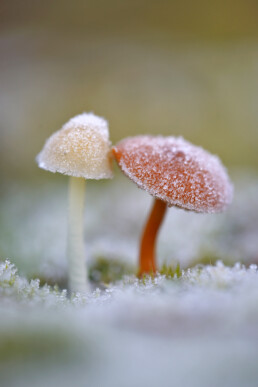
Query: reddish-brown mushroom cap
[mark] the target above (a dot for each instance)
(175, 171)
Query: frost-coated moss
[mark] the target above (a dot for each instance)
(201, 328)
(201, 284)
(17, 288)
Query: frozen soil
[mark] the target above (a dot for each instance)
(195, 326)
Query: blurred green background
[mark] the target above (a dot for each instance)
(163, 67)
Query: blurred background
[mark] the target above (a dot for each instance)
(160, 67)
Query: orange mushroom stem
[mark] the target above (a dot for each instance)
(147, 258)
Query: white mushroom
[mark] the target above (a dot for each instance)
(81, 149)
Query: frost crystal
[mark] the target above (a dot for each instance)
(81, 149)
(176, 171)
(17, 288)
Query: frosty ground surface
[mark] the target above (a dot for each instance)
(196, 330)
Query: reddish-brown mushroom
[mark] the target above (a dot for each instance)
(176, 173)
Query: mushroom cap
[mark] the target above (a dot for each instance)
(81, 149)
(174, 170)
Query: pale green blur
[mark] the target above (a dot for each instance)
(164, 67)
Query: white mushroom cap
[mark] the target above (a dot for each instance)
(81, 149)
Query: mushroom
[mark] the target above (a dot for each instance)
(176, 173)
(81, 150)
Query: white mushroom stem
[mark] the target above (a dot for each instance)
(77, 273)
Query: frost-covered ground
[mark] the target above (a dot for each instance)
(200, 329)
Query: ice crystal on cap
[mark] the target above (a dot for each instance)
(81, 149)
(174, 170)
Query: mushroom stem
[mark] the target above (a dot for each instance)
(77, 274)
(148, 241)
